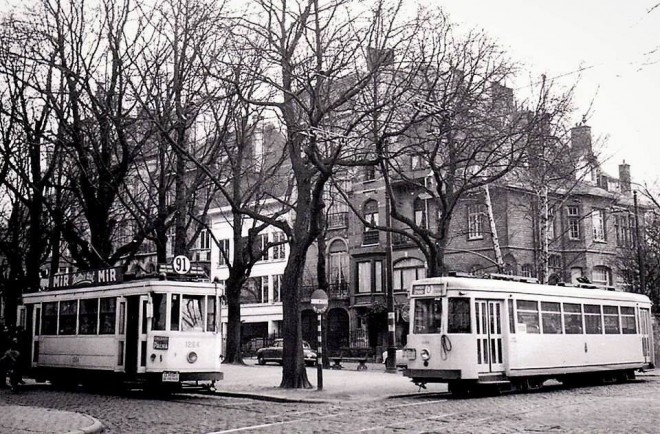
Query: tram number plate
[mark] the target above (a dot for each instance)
(170, 377)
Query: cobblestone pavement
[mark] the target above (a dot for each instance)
(621, 408)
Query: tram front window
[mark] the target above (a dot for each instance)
(160, 311)
(192, 313)
(428, 315)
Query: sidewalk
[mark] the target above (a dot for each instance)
(347, 384)
(249, 381)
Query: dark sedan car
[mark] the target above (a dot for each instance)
(274, 353)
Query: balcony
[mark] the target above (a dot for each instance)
(338, 220)
(370, 237)
(401, 240)
(336, 291)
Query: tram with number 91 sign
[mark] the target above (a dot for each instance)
(476, 332)
(150, 332)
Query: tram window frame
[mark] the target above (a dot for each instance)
(159, 320)
(611, 322)
(525, 313)
(628, 320)
(593, 313)
(107, 315)
(430, 320)
(459, 321)
(49, 316)
(512, 317)
(175, 312)
(68, 318)
(211, 316)
(573, 311)
(196, 315)
(551, 318)
(88, 319)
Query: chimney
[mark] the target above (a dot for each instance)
(581, 140)
(624, 177)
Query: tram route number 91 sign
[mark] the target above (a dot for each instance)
(319, 301)
(181, 264)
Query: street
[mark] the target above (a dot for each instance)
(624, 408)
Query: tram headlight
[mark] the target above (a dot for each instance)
(192, 357)
(425, 354)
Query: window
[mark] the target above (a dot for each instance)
(405, 271)
(277, 284)
(279, 252)
(602, 275)
(223, 257)
(211, 315)
(628, 324)
(611, 320)
(458, 315)
(204, 246)
(370, 214)
(624, 226)
(572, 318)
(369, 173)
(551, 317)
(175, 312)
(598, 222)
(428, 315)
(475, 222)
(49, 322)
(512, 319)
(550, 226)
(192, 313)
(593, 323)
(260, 248)
(158, 322)
(68, 317)
(253, 290)
(527, 270)
(417, 162)
(528, 314)
(575, 273)
(88, 320)
(370, 276)
(573, 212)
(421, 212)
(107, 316)
(338, 264)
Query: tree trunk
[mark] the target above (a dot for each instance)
(233, 350)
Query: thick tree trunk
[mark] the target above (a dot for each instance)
(233, 351)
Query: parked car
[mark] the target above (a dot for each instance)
(273, 353)
(401, 360)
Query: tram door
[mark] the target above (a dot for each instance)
(489, 335)
(142, 336)
(646, 332)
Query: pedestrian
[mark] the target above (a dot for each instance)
(4, 346)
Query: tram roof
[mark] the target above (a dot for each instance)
(133, 287)
(516, 287)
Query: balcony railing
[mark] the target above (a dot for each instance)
(401, 239)
(336, 291)
(338, 220)
(370, 237)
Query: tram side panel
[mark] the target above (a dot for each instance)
(76, 352)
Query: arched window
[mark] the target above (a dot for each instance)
(421, 212)
(338, 264)
(405, 271)
(370, 214)
(602, 275)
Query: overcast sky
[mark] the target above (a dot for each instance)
(606, 45)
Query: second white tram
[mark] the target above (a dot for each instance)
(149, 332)
(469, 332)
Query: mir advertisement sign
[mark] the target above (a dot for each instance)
(103, 276)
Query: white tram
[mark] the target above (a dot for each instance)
(147, 332)
(471, 332)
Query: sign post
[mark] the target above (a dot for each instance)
(319, 301)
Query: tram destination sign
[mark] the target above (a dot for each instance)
(102, 276)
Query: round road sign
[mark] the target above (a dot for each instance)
(319, 301)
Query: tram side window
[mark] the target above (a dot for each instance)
(107, 316)
(49, 318)
(572, 319)
(628, 325)
(551, 317)
(211, 315)
(160, 311)
(68, 317)
(593, 323)
(192, 313)
(428, 315)
(528, 314)
(611, 317)
(175, 312)
(459, 316)
(88, 316)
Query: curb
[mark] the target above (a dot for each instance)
(271, 398)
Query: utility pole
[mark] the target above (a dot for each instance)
(390, 365)
(640, 256)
